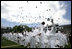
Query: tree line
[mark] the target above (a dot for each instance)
(15, 29)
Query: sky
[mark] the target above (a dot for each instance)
(32, 13)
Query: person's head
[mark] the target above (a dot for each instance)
(56, 31)
(49, 28)
(34, 36)
(62, 31)
(52, 20)
(48, 19)
(39, 34)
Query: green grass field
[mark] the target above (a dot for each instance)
(9, 44)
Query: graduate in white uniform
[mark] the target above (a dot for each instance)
(32, 42)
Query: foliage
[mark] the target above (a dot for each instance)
(68, 46)
(21, 29)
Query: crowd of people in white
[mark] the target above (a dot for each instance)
(40, 38)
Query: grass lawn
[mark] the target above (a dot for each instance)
(20, 46)
(9, 44)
